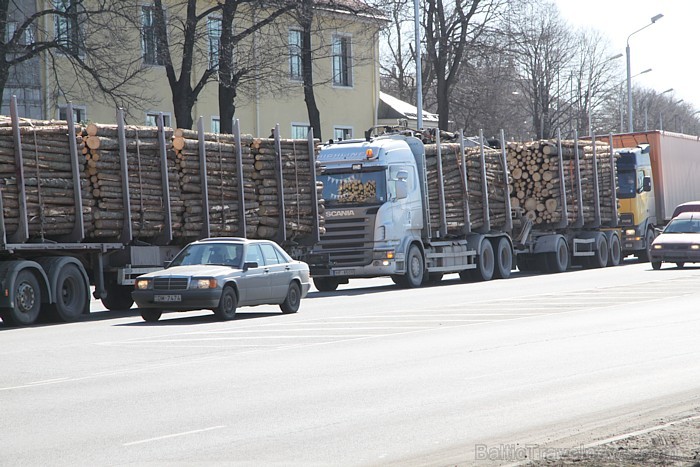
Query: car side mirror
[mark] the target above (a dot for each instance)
(401, 189)
(249, 265)
(646, 184)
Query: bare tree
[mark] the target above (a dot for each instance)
(84, 37)
(397, 66)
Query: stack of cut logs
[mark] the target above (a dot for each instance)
(48, 179)
(536, 186)
(222, 183)
(148, 217)
(297, 188)
(454, 190)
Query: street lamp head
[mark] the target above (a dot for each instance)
(667, 91)
(678, 102)
(645, 71)
(654, 19)
(615, 57)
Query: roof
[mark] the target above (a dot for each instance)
(391, 107)
(356, 7)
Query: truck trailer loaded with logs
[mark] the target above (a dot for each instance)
(400, 206)
(101, 204)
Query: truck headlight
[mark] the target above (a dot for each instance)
(203, 283)
(143, 284)
(630, 232)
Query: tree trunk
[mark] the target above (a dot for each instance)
(306, 20)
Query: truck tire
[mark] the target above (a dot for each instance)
(526, 262)
(558, 260)
(118, 297)
(644, 254)
(600, 258)
(485, 262)
(415, 268)
(71, 294)
(150, 316)
(615, 254)
(27, 301)
(325, 284)
(504, 258)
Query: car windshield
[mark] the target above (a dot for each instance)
(354, 188)
(226, 254)
(683, 226)
(627, 184)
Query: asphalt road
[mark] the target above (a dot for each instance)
(370, 374)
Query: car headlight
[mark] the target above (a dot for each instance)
(630, 232)
(658, 246)
(695, 247)
(143, 284)
(203, 283)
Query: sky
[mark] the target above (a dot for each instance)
(670, 47)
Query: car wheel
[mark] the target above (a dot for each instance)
(151, 316)
(227, 305)
(656, 265)
(325, 284)
(293, 300)
(680, 264)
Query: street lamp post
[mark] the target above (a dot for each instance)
(661, 114)
(419, 66)
(630, 125)
(621, 83)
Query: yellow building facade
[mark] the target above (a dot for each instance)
(345, 66)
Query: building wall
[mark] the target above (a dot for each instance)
(281, 102)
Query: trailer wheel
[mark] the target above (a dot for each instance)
(415, 268)
(525, 262)
(600, 259)
(71, 294)
(118, 296)
(557, 261)
(325, 284)
(504, 259)
(615, 254)
(27, 301)
(485, 263)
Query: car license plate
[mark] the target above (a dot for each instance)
(343, 272)
(167, 298)
(629, 245)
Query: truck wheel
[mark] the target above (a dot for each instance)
(27, 301)
(227, 305)
(151, 316)
(293, 300)
(656, 265)
(526, 262)
(600, 258)
(325, 284)
(504, 259)
(485, 263)
(645, 254)
(680, 265)
(118, 297)
(415, 268)
(615, 253)
(558, 260)
(71, 294)
(433, 277)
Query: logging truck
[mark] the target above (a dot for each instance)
(658, 170)
(397, 206)
(100, 205)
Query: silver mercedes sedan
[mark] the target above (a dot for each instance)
(223, 274)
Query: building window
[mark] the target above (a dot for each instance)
(149, 37)
(79, 113)
(214, 32)
(295, 42)
(342, 133)
(300, 130)
(11, 27)
(342, 56)
(152, 118)
(215, 125)
(66, 26)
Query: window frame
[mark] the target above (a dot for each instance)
(157, 59)
(73, 40)
(346, 79)
(64, 108)
(343, 128)
(215, 124)
(296, 125)
(154, 113)
(295, 55)
(214, 53)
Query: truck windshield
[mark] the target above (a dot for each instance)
(627, 184)
(356, 188)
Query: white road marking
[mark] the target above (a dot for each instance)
(175, 435)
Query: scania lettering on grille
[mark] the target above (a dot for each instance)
(344, 213)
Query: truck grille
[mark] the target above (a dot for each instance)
(170, 283)
(348, 241)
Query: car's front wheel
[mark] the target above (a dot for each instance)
(151, 316)
(656, 265)
(227, 305)
(293, 300)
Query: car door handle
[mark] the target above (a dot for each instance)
(287, 268)
(267, 270)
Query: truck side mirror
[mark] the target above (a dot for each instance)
(401, 189)
(646, 184)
